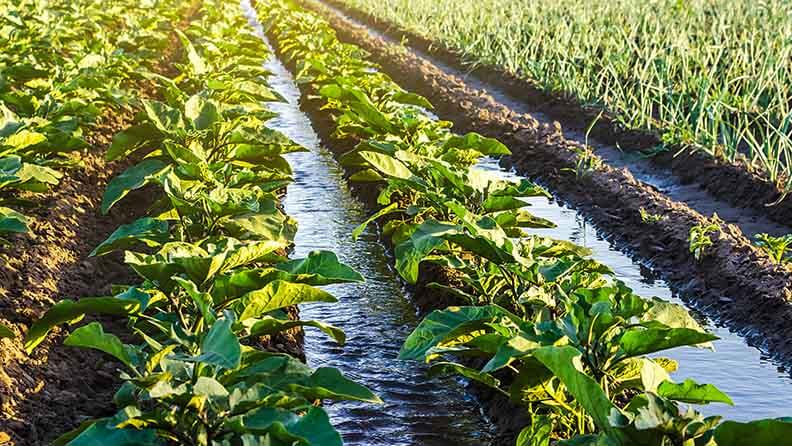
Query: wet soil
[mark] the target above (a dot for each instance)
(736, 182)
(734, 282)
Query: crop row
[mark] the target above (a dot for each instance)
(196, 361)
(55, 84)
(56, 87)
(546, 326)
(712, 76)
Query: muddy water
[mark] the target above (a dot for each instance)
(377, 315)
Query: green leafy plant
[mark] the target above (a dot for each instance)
(775, 247)
(554, 330)
(216, 285)
(722, 95)
(650, 218)
(699, 239)
(57, 86)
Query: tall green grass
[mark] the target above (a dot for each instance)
(714, 74)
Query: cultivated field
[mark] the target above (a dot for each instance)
(237, 224)
(715, 75)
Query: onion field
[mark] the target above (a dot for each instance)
(713, 75)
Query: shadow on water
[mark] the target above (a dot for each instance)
(377, 315)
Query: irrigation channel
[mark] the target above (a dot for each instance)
(377, 315)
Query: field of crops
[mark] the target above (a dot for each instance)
(204, 334)
(711, 74)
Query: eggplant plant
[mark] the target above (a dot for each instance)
(55, 84)
(215, 282)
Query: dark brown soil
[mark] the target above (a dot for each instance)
(48, 392)
(733, 282)
(735, 182)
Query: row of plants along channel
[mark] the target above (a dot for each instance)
(539, 321)
(64, 65)
(55, 82)
(198, 363)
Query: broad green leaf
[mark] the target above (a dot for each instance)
(448, 368)
(261, 226)
(268, 325)
(24, 139)
(521, 188)
(311, 429)
(197, 62)
(366, 176)
(133, 178)
(71, 311)
(92, 60)
(202, 113)
(220, 346)
(674, 316)
(481, 144)
(652, 374)
(12, 221)
(440, 324)
(212, 390)
(202, 300)
(638, 342)
(513, 348)
(755, 433)
(65, 438)
(251, 252)
(150, 231)
(94, 336)
(133, 138)
(9, 166)
(258, 92)
(35, 175)
(6, 332)
(521, 219)
(565, 363)
(329, 383)
(404, 97)
(321, 268)
(391, 208)
(164, 117)
(387, 165)
(692, 392)
(279, 294)
(537, 433)
(484, 237)
(104, 433)
(495, 203)
(409, 254)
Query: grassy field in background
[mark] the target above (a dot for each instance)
(716, 74)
